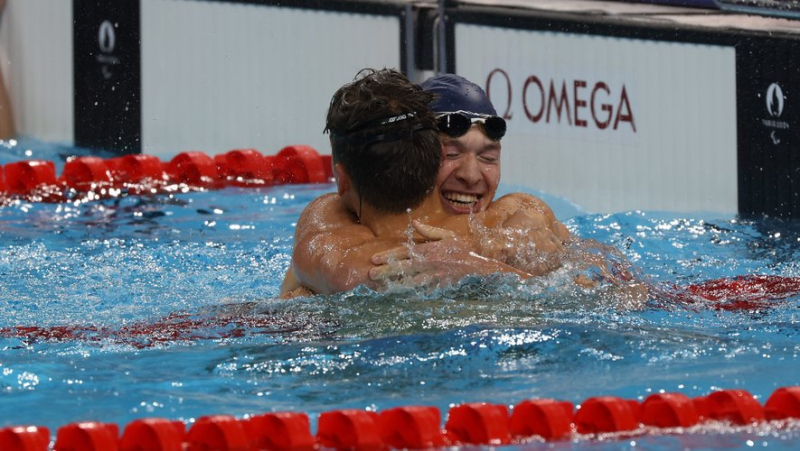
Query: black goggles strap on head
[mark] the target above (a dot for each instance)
(395, 128)
(403, 134)
(400, 119)
(457, 124)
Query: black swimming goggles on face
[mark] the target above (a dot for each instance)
(457, 123)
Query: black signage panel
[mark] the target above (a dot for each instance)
(107, 75)
(768, 98)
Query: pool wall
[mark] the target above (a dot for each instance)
(614, 106)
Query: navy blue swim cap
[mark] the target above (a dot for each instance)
(456, 93)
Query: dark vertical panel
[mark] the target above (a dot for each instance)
(450, 42)
(768, 84)
(107, 75)
(426, 30)
(407, 43)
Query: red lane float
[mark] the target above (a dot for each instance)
(412, 427)
(193, 169)
(735, 406)
(136, 169)
(25, 438)
(702, 406)
(607, 414)
(742, 293)
(547, 418)
(87, 436)
(783, 404)
(86, 174)
(282, 431)
(245, 167)
(478, 423)
(35, 178)
(218, 432)
(299, 164)
(327, 164)
(415, 427)
(153, 434)
(669, 410)
(349, 429)
(175, 327)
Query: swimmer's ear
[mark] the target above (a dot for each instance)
(342, 179)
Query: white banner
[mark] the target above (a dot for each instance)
(611, 124)
(219, 76)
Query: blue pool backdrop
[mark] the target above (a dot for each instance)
(166, 306)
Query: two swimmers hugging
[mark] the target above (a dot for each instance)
(417, 168)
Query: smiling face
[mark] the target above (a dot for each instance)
(470, 172)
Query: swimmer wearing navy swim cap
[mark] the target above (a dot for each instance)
(335, 253)
(379, 133)
(471, 135)
(470, 132)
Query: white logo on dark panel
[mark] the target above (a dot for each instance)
(775, 100)
(106, 37)
(107, 41)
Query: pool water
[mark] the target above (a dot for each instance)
(165, 306)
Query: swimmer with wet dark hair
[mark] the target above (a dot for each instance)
(387, 157)
(460, 231)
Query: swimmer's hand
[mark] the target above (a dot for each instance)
(441, 260)
(422, 263)
(431, 233)
(448, 244)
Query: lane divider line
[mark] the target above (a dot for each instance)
(91, 177)
(419, 427)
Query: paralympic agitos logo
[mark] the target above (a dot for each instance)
(575, 103)
(107, 42)
(776, 102)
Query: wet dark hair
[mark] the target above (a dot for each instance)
(384, 134)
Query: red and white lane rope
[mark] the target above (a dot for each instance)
(94, 177)
(418, 427)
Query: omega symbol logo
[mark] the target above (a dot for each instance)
(106, 37)
(775, 100)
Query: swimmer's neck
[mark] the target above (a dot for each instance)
(395, 225)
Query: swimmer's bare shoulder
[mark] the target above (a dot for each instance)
(305, 228)
(517, 211)
(509, 228)
(323, 213)
(321, 216)
(331, 249)
(526, 211)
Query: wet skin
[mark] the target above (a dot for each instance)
(468, 180)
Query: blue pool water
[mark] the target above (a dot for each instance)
(166, 306)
